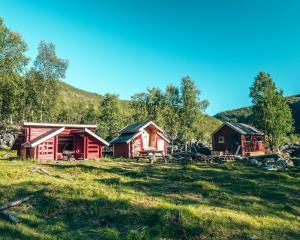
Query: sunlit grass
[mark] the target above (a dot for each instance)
(121, 199)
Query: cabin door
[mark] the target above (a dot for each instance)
(78, 147)
(234, 142)
(145, 139)
(161, 145)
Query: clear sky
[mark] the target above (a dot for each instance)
(126, 46)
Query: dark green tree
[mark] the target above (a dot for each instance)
(90, 114)
(138, 104)
(111, 118)
(154, 104)
(271, 113)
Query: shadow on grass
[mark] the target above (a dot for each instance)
(101, 218)
(57, 213)
(248, 189)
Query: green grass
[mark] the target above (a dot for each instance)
(121, 199)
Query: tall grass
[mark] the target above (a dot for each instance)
(121, 199)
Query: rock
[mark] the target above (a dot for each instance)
(271, 164)
(7, 137)
(292, 149)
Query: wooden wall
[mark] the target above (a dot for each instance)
(94, 148)
(121, 150)
(226, 132)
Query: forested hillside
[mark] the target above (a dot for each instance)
(75, 104)
(78, 95)
(243, 115)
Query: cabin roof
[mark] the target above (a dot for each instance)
(241, 128)
(34, 124)
(245, 128)
(44, 137)
(133, 130)
(124, 138)
(96, 136)
(139, 126)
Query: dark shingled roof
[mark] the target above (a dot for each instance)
(244, 128)
(134, 127)
(123, 138)
(129, 132)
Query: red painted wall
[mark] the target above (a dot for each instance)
(226, 132)
(121, 150)
(87, 147)
(253, 145)
(246, 147)
(93, 148)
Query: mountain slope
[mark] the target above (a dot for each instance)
(79, 95)
(72, 97)
(243, 115)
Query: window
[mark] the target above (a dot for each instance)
(221, 139)
(259, 138)
(248, 138)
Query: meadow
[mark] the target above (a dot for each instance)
(122, 199)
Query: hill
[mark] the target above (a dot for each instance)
(122, 199)
(243, 115)
(78, 95)
(74, 98)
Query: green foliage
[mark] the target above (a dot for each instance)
(240, 115)
(243, 115)
(179, 111)
(111, 119)
(49, 69)
(271, 112)
(12, 52)
(139, 105)
(120, 199)
(294, 103)
(191, 109)
(12, 64)
(170, 111)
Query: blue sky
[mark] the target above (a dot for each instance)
(126, 46)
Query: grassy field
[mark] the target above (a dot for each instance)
(121, 199)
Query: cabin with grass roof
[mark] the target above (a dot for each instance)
(238, 139)
(48, 141)
(138, 137)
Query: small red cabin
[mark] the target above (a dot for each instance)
(47, 141)
(138, 137)
(238, 138)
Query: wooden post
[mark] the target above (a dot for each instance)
(100, 150)
(85, 147)
(55, 147)
(37, 152)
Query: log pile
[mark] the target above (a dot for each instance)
(184, 157)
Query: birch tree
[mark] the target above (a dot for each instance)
(271, 113)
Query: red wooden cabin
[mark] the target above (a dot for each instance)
(138, 137)
(47, 141)
(238, 138)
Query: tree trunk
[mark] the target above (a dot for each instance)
(42, 105)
